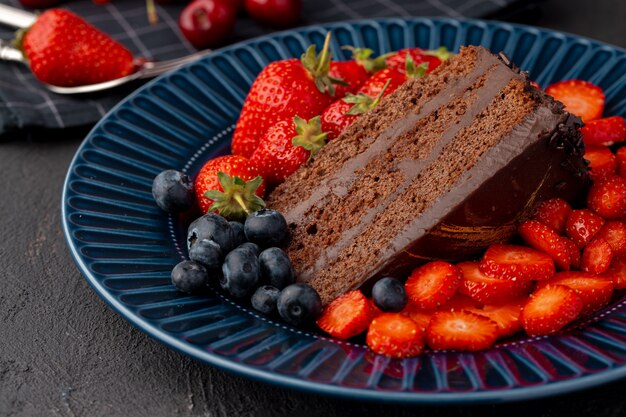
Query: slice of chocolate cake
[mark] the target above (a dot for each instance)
(447, 165)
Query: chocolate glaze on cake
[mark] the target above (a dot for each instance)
(442, 168)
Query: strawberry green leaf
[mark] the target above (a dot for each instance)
(318, 66)
(362, 102)
(442, 53)
(412, 71)
(310, 135)
(238, 198)
(364, 57)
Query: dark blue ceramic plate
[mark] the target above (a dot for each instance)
(126, 247)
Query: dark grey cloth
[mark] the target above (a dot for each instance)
(24, 103)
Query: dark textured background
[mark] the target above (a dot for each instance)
(63, 352)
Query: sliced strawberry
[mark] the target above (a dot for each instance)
(581, 98)
(582, 225)
(604, 132)
(597, 256)
(621, 161)
(395, 335)
(617, 272)
(594, 291)
(419, 316)
(461, 330)
(614, 233)
(553, 213)
(549, 309)
(347, 315)
(607, 198)
(544, 239)
(602, 162)
(574, 253)
(433, 284)
(460, 302)
(512, 262)
(485, 289)
(505, 315)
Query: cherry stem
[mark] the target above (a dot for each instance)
(153, 16)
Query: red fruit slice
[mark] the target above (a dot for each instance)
(421, 317)
(506, 316)
(617, 272)
(574, 252)
(594, 291)
(621, 161)
(607, 198)
(433, 284)
(485, 289)
(582, 226)
(461, 330)
(512, 262)
(461, 302)
(602, 162)
(549, 309)
(544, 239)
(604, 132)
(614, 233)
(347, 315)
(597, 256)
(395, 335)
(581, 98)
(553, 213)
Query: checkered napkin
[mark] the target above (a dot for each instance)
(25, 104)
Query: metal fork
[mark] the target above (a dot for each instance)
(145, 69)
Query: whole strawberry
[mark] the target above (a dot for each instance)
(233, 166)
(64, 50)
(287, 145)
(432, 58)
(282, 90)
(355, 72)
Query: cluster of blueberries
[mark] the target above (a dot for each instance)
(243, 257)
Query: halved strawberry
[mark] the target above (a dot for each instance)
(461, 330)
(433, 284)
(597, 256)
(602, 162)
(347, 315)
(395, 335)
(460, 302)
(617, 272)
(544, 239)
(549, 309)
(574, 253)
(594, 291)
(604, 132)
(512, 262)
(607, 198)
(505, 315)
(581, 98)
(582, 226)
(553, 213)
(621, 161)
(485, 289)
(614, 233)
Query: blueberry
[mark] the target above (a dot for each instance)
(251, 247)
(389, 295)
(207, 253)
(211, 227)
(240, 273)
(239, 236)
(173, 191)
(299, 304)
(266, 228)
(276, 268)
(264, 299)
(189, 277)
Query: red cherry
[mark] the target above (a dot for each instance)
(38, 3)
(206, 23)
(277, 13)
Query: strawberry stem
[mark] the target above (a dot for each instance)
(241, 203)
(325, 56)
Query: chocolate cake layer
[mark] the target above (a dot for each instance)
(442, 168)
